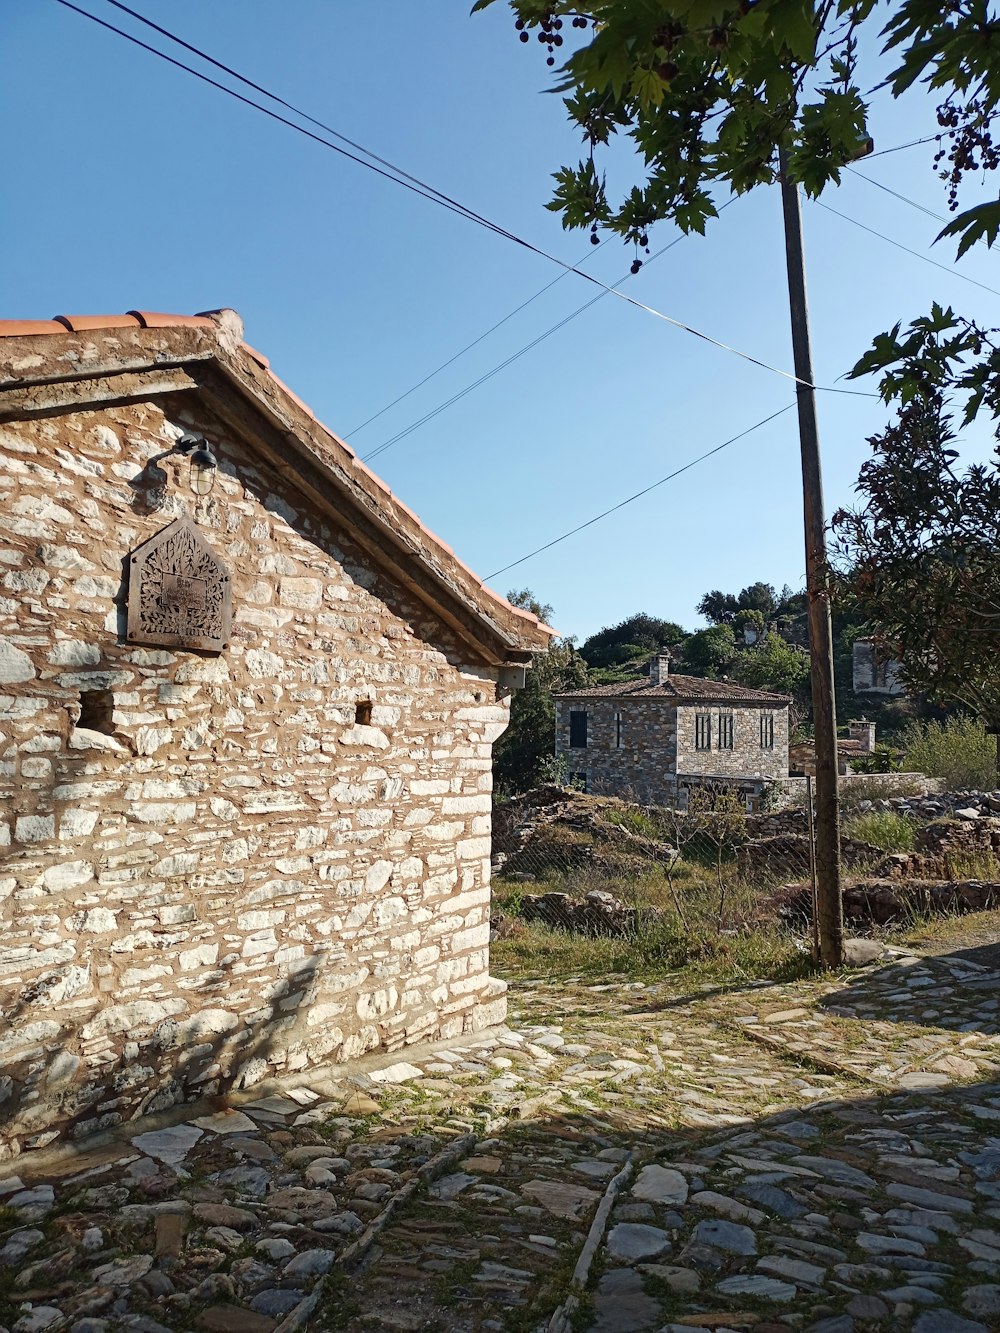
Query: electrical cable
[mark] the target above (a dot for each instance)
(915, 143)
(469, 346)
(905, 199)
(446, 201)
(645, 491)
(945, 268)
(515, 356)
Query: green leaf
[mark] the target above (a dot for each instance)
(979, 223)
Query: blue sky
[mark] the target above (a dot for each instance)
(138, 187)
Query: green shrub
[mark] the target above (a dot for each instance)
(958, 751)
(883, 829)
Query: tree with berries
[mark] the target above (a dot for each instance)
(734, 94)
(709, 90)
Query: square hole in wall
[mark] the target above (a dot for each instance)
(363, 713)
(96, 711)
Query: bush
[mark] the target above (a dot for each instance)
(958, 751)
(886, 830)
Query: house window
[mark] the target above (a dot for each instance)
(703, 731)
(578, 730)
(767, 731)
(618, 731)
(725, 731)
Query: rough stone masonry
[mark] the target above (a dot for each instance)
(221, 866)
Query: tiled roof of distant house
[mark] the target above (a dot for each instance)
(680, 689)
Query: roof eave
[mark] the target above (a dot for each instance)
(44, 371)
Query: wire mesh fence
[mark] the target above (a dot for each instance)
(604, 866)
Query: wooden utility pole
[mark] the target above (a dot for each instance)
(829, 902)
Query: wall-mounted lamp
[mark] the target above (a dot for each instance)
(204, 463)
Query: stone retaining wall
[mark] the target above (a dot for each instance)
(222, 876)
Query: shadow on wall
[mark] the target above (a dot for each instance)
(96, 1026)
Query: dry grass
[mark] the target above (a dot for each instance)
(688, 936)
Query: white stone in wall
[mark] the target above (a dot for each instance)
(304, 593)
(204, 955)
(73, 652)
(364, 735)
(163, 812)
(63, 557)
(139, 1015)
(473, 847)
(95, 921)
(83, 738)
(378, 876)
(34, 828)
(150, 739)
(15, 665)
(177, 865)
(465, 805)
(69, 875)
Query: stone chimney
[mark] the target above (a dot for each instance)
(659, 668)
(864, 731)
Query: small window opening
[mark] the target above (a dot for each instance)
(618, 731)
(363, 713)
(767, 731)
(579, 781)
(96, 711)
(703, 731)
(577, 730)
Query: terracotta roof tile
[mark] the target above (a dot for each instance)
(83, 323)
(259, 357)
(152, 319)
(15, 328)
(28, 328)
(682, 689)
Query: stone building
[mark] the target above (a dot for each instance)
(654, 738)
(247, 706)
(872, 675)
(859, 741)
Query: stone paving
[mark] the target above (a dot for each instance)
(822, 1156)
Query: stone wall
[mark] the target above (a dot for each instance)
(658, 743)
(220, 877)
(746, 759)
(642, 768)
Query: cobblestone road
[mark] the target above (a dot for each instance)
(820, 1156)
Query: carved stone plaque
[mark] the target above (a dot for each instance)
(179, 591)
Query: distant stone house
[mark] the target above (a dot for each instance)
(859, 742)
(655, 738)
(871, 674)
(247, 709)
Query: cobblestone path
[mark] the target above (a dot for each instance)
(822, 1156)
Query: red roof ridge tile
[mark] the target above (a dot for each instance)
(145, 319)
(84, 323)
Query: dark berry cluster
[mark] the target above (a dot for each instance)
(549, 32)
(971, 148)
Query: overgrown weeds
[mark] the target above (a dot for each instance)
(885, 829)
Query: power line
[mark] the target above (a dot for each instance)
(945, 268)
(905, 199)
(469, 346)
(290, 106)
(896, 195)
(645, 491)
(436, 196)
(515, 356)
(914, 143)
